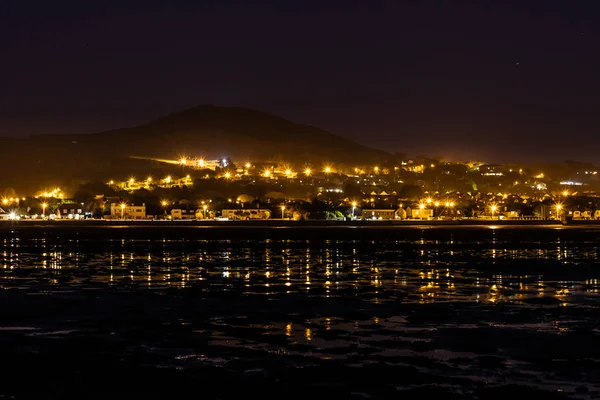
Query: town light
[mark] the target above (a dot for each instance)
(353, 207)
(288, 172)
(307, 172)
(122, 210)
(247, 165)
(376, 169)
(5, 201)
(493, 208)
(565, 193)
(227, 175)
(429, 200)
(183, 161)
(168, 179)
(266, 173)
(437, 204)
(44, 205)
(327, 169)
(558, 208)
(282, 211)
(205, 207)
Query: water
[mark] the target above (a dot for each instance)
(301, 312)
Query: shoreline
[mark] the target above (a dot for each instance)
(273, 223)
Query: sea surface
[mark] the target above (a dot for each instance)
(283, 312)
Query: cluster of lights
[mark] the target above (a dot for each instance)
(11, 200)
(55, 193)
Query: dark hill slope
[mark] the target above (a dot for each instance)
(205, 131)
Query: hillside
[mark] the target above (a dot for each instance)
(205, 131)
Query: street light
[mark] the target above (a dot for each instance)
(493, 208)
(353, 207)
(164, 204)
(44, 205)
(282, 211)
(122, 210)
(307, 172)
(558, 208)
(205, 207)
(421, 208)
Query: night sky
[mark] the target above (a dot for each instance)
(500, 80)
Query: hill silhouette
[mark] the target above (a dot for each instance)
(205, 131)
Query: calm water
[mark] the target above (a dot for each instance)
(299, 313)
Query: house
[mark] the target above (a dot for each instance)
(246, 213)
(178, 213)
(419, 213)
(70, 211)
(383, 213)
(127, 211)
(4, 216)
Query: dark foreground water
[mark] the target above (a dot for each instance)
(300, 313)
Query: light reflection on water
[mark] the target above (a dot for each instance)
(445, 302)
(423, 270)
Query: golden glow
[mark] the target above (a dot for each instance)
(149, 179)
(421, 206)
(376, 169)
(565, 193)
(307, 172)
(227, 175)
(247, 165)
(183, 161)
(131, 181)
(164, 203)
(288, 172)
(122, 206)
(429, 200)
(201, 163)
(4, 201)
(437, 204)
(354, 204)
(168, 179)
(327, 169)
(44, 205)
(266, 173)
(111, 182)
(493, 207)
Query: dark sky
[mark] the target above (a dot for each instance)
(494, 79)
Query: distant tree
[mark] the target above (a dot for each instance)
(411, 192)
(352, 190)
